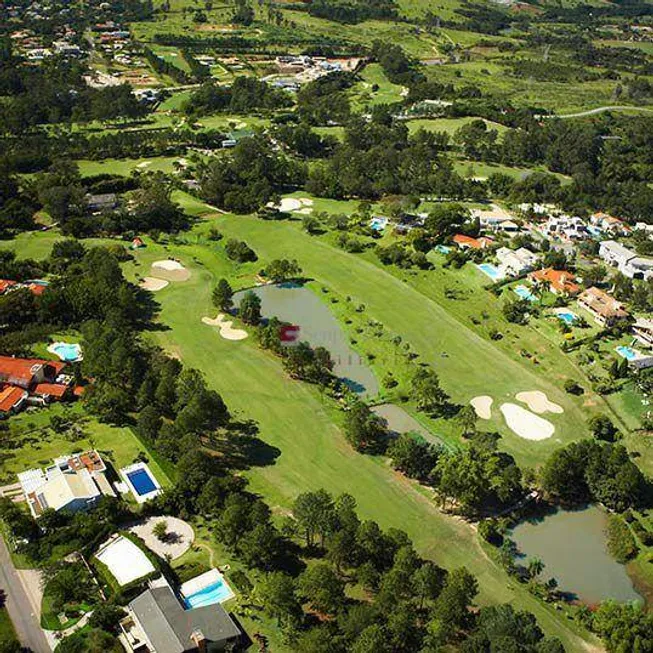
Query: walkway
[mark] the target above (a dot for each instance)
(593, 112)
(21, 611)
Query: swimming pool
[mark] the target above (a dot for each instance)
(492, 271)
(567, 316)
(524, 293)
(626, 352)
(66, 351)
(378, 224)
(442, 249)
(142, 481)
(217, 592)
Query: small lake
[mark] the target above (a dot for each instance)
(298, 305)
(573, 547)
(399, 421)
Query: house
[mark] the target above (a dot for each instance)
(559, 282)
(625, 260)
(565, 227)
(102, 202)
(467, 242)
(516, 262)
(609, 224)
(12, 399)
(137, 243)
(643, 331)
(605, 309)
(5, 285)
(28, 372)
(71, 483)
(157, 622)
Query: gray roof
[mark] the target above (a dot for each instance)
(169, 627)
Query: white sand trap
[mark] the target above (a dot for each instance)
(289, 204)
(306, 201)
(305, 211)
(483, 406)
(152, 284)
(525, 424)
(539, 403)
(144, 164)
(170, 270)
(226, 327)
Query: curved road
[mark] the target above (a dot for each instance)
(26, 624)
(592, 112)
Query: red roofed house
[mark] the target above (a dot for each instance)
(21, 378)
(467, 242)
(5, 285)
(609, 223)
(560, 282)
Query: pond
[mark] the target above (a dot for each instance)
(573, 547)
(399, 421)
(298, 305)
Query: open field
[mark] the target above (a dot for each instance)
(304, 447)
(126, 167)
(363, 94)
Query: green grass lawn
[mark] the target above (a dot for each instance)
(7, 632)
(362, 94)
(30, 444)
(449, 125)
(307, 449)
(125, 167)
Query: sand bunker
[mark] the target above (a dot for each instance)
(483, 406)
(152, 284)
(294, 204)
(226, 327)
(144, 164)
(539, 403)
(525, 424)
(170, 270)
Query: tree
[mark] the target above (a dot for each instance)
(467, 418)
(413, 456)
(535, 568)
(222, 296)
(427, 582)
(277, 593)
(602, 428)
(363, 429)
(315, 513)
(624, 627)
(160, 530)
(250, 308)
(282, 269)
(320, 585)
(149, 422)
(451, 608)
(429, 395)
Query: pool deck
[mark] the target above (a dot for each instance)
(140, 498)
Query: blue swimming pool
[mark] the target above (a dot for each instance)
(67, 351)
(215, 593)
(626, 352)
(378, 224)
(492, 271)
(442, 249)
(524, 293)
(567, 316)
(142, 481)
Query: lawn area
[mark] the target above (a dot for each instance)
(32, 244)
(7, 632)
(363, 95)
(30, 443)
(450, 125)
(304, 446)
(125, 167)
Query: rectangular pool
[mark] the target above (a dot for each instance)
(142, 481)
(524, 293)
(626, 352)
(492, 271)
(206, 589)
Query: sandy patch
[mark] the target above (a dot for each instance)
(145, 164)
(307, 210)
(525, 424)
(539, 403)
(170, 270)
(179, 540)
(483, 406)
(294, 205)
(152, 284)
(226, 327)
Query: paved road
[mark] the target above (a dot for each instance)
(19, 607)
(592, 112)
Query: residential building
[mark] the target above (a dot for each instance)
(102, 202)
(467, 242)
(516, 262)
(12, 399)
(605, 309)
(157, 622)
(643, 331)
(565, 227)
(609, 224)
(71, 483)
(28, 372)
(559, 282)
(626, 260)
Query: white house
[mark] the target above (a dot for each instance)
(625, 260)
(516, 262)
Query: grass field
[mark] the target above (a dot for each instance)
(125, 167)
(7, 632)
(449, 125)
(305, 446)
(362, 94)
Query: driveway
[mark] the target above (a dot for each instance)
(19, 606)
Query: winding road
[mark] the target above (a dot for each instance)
(593, 112)
(18, 605)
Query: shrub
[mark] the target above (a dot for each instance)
(621, 543)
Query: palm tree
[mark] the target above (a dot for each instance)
(535, 567)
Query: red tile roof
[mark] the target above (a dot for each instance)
(10, 396)
(37, 288)
(474, 243)
(5, 284)
(559, 280)
(21, 371)
(55, 390)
